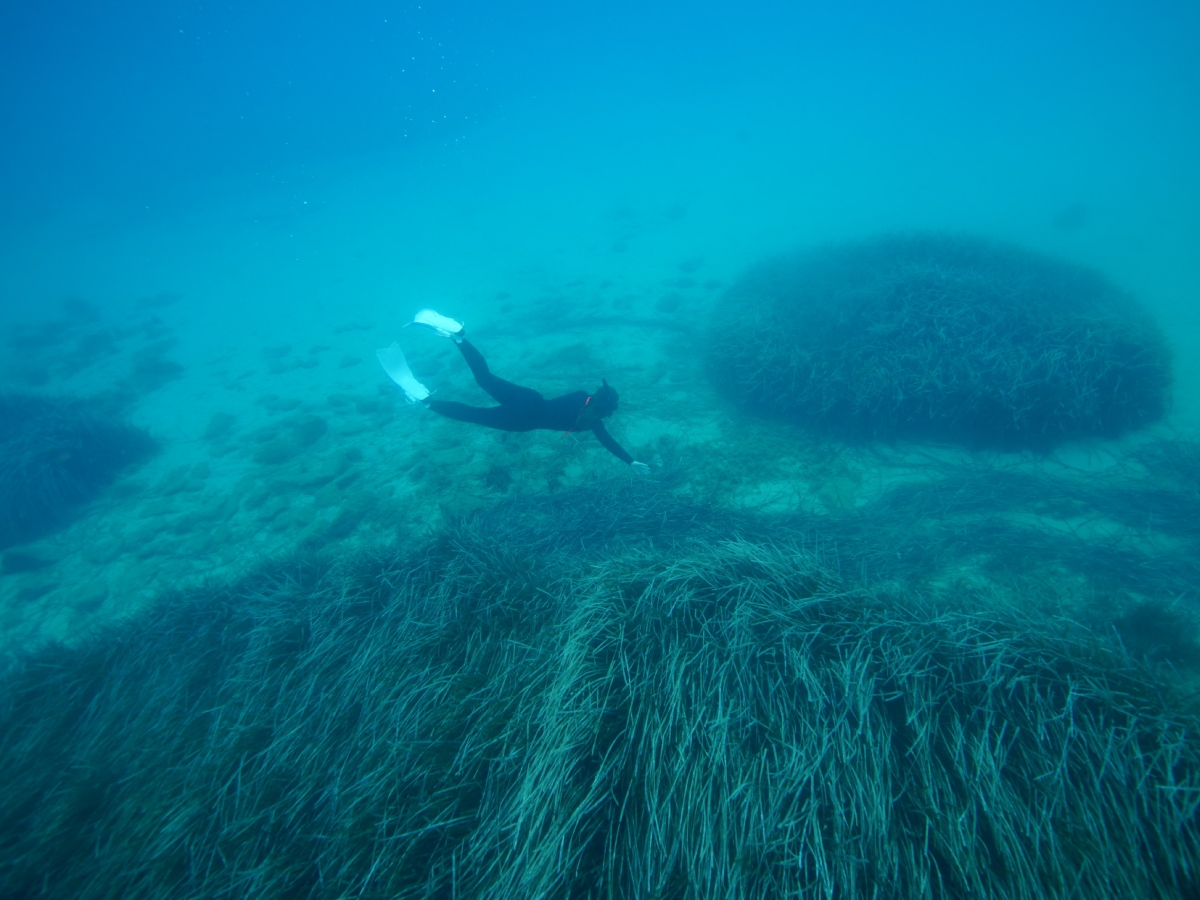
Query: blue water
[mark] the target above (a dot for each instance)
(256, 197)
(264, 178)
(252, 151)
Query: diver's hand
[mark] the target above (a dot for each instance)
(640, 467)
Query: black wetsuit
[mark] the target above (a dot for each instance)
(522, 408)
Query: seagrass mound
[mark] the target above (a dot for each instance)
(713, 718)
(941, 337)
(56, 454)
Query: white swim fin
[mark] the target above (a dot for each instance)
(393, 362)
(442, 326)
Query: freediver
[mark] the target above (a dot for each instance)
(521, 408)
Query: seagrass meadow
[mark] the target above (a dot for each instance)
(943, 337)
(613, 690)
(306, 640)
(56, 454)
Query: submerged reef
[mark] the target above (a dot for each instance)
(56, 454)
(940, 337)
(601, 692)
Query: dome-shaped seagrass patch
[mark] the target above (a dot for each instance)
(941, 337)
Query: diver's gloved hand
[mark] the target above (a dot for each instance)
(640, 467)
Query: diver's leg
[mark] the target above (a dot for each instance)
(503, 392)
(502, 417)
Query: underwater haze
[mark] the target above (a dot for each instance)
(882, 578)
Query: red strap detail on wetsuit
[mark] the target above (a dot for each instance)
(577, 415)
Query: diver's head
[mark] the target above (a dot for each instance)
(601, 404)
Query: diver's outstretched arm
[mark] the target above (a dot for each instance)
(610, 443)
